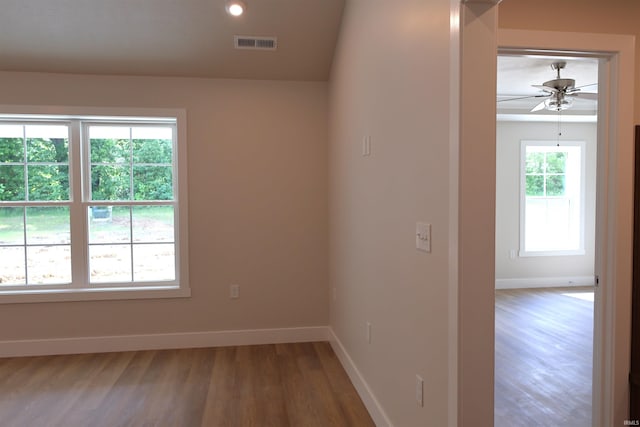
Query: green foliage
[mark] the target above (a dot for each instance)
(156, 151)
(556, 162)
(110, 182)
(46, 181)
(152, 183)
(555, 185)
(545, 173)
(535, 162)
(113, 159)
(535, 185)
(112, 162)
(11, 150)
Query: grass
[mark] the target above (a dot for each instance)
(49, 224)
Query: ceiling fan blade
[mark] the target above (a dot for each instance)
(546, 88)
(522, 97)
(538, 107)
(590, 84)
(584, 95)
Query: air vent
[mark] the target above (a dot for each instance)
(258, 43)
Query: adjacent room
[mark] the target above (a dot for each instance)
(546, 163)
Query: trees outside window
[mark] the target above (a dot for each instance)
(88, 204)
(552, 198)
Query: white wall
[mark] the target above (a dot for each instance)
(257, 206)
(390, 80)
(534, 271)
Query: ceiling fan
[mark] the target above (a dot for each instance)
(559, 92)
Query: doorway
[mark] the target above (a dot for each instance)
(546, 151)
(475, 288)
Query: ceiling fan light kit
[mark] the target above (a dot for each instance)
(559, 93)
(235, 7)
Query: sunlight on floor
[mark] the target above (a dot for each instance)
(587, 296)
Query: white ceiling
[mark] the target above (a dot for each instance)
(517, 74)
(169, 37)
(195, 38)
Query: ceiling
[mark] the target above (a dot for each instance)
(191, 38)
(517, 74)
(194, 38)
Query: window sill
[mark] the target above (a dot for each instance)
(97, 294)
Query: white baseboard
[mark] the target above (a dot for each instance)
(42, 347)
(545, 282)
(368, 398)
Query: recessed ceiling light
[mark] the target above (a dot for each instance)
(235, 7)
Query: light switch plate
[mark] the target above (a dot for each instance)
(423, 237)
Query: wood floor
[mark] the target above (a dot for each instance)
(543, 360)
(267, 385)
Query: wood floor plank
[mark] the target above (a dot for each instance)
(543, 358)
(353, 410)
(284, 385)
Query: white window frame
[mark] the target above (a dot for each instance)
(80, 118)
(581, 246)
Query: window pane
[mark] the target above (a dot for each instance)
(154, 262)
(153, 224)
(11, 149)
(12, 131)
(48, 264)
(555, 185)
(47, 143)
(534, 162)
(152, 145)
(109, 151)
(535, 185)
(547, 225)
(110, 144)
(48, 183)
(12, 270)
(556, 162)
(152, 183)
(110, 183)
(46, 131)
(109, 224)
(48, 225)
(12, 183)
(11, 226)
(110, 263)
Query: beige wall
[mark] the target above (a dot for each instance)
(257, 206)
(528, 269)
(390, 80)
(586, 16)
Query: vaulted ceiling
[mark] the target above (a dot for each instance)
(192, 38)
(195, 38)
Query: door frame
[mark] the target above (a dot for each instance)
(480, 39)
(614, 205)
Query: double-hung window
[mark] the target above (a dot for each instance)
(552, 198)
(91, 207)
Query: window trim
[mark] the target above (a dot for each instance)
(550, 143)
(178, 288)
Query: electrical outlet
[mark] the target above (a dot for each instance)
(234, 291)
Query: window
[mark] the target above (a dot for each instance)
(552, 198)
(90, 207)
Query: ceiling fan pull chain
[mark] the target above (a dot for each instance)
(559, 128)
